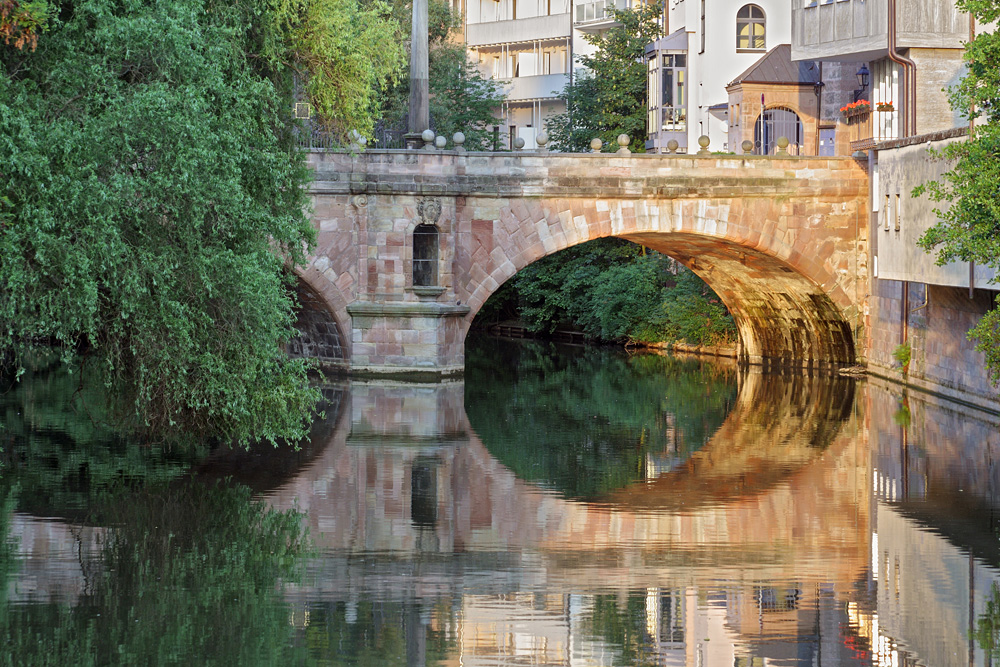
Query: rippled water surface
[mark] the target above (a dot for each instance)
(560, 506)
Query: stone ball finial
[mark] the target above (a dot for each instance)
(518, 143)
(782, 145)
(595, 145)
(672, 146)
(427, 136)
(623, 141)
(747, 146)
(703, 141)
(440, 141)
(541, 139)
(458, 138)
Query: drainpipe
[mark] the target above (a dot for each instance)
(909, 76)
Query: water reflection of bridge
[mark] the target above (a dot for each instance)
(755, 540)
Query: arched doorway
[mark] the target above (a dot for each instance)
(775, 123)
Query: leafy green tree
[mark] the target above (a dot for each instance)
(611, 98)
(969, 228)
(345, 51)
(152, 204)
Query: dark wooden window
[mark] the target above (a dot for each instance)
(425, 255)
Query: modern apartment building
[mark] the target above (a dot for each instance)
(526, 44)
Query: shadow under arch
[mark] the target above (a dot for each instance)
(793, 291)
(321, 332)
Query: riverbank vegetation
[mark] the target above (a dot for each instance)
(613, 291)
(153, 200)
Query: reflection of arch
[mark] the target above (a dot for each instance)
(777, 122)
(751, 26)
(321, 332)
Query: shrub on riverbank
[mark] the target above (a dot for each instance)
(613, 291)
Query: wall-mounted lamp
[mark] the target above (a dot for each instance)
(863, 75)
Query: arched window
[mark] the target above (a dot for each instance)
(425, 255)
(777, 123)
(750, 24)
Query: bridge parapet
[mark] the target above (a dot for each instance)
(782, 240)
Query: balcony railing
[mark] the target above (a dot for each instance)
(599, 10)
(868, 127)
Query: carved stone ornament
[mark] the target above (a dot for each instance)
(429, 210)
(359, 201)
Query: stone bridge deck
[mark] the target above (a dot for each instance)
(782, 240)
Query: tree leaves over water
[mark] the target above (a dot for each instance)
(615, 291)
(152, 202)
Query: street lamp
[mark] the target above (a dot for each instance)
(862, 75)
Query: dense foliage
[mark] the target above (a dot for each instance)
(152, 200)
(969, 228)
(613, 291)
(611, 98)
(461, 98)
(587, 423)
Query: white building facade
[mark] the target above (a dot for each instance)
(706, 47)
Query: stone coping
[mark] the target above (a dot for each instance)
(922, 138)
(406, 309)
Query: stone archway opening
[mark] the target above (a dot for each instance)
(783, 318)
(319, 336)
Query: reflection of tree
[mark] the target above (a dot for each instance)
(988, 625)
(623, 626)
(586, 423)
(187, 574)
(60, 451)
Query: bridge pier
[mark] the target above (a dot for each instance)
(407, 339)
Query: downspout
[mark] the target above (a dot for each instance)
(909, 76)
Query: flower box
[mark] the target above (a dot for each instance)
(854, 109)
(885, 106)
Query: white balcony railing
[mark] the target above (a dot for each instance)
(599, 10)
(544, 86)
(518, 30)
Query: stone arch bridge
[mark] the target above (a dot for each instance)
(782, 240)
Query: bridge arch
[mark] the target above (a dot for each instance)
(790, 308)
(321, 320)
